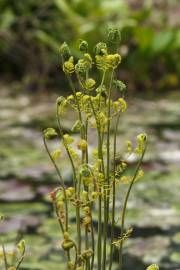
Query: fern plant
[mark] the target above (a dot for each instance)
(97, 173)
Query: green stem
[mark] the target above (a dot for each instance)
(75, 183)
(106, 194)
(100, 156)
(64, 193)
(21, 259)
(108, 138)
(86, 138)
(78, 220)
(101, 85)
(99, 243)
(78, 106)
(125, 206)
(61, 183)
(87, 189)
(100, 142)
(76, 255)
(114, 193)
(58, 217)
(78, 233)
(93, 242)
(66, 147)
(4, 257)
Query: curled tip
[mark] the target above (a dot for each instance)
(21, 245)
(66, 235)
(142, 137)
(119, 85)
(67, 245)
(60, 100)
(153, 267)
(87, 254)
(114, 35)
(68, 66)
(100, 48)
(65, 51)
(83, 46)
(85, 171)
(50, 133)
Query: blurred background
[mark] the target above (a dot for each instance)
(31, 32)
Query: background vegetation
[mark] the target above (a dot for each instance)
(31, 32)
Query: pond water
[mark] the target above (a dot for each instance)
(27, 176)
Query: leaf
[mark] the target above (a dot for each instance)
(176, 43)
(144, 37)
(68, 11)
(6, 20)
(47, 40)
(162, 41)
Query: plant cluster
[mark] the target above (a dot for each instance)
(99, 172)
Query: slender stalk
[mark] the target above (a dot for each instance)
(66, 147)
(4, 257)
(100, 142)
(58, 217)
(72, 164)
(114, 193)
(78, 220)
(101, 85)
(100, 156)
(124, 208)
(61, 183)
(76, 254)
(86, 138)
(87, 189)
(106, 194)
(21, 259)
(99, 240)
(108, 137)
(64, 193)
(93, 242)
(78, 106)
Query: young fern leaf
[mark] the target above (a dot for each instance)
(95, 175)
